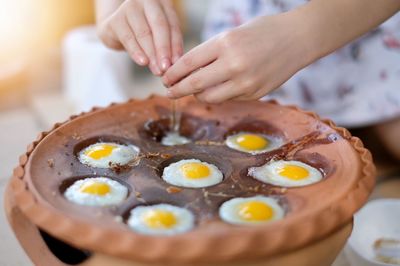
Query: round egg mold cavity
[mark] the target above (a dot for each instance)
(313, 159)
(308, 207)
(222, 164)
(78, 147)
(255, 126)
(192, 127)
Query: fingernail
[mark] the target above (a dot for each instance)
(165, 81)
(158, 71)
(169, 93)
(165, 64)
(141, 59)
(155, 69)
(165, 85)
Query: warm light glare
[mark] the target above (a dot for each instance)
(30, 29)
(16, 27)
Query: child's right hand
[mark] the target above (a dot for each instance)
(148, 30)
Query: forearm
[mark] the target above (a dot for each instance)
(104, 8)
(333, 23)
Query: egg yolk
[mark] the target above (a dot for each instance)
(95, 188)
(195, 170)
(252, 142)
(255, 211)
(293, 172)
(100, 151)
(159, 219)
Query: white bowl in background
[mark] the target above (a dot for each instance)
(377, 219)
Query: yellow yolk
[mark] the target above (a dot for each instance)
(255, 211)
(159, 219)
(100, 151)
(252, 142)
(293, 172)
(195, 170)
(95, 188)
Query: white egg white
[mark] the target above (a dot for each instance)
(173, 139)
(229, 210)
(121, 155)
(268, 173)
(274, 143)
(173, 175)
(185, 220)
(117, 194)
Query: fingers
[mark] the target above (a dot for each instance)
(175, 31)
(128, 41)
(198, 57)
(138, 22)
(209, 76)
(159, 27)
(220, 93)
(148, 30)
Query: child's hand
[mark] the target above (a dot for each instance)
(147, 29)
(243, 64)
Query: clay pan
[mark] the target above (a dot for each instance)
(313, 211)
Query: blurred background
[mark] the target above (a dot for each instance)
(52, 65)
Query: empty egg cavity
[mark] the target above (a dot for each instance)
(191, 128)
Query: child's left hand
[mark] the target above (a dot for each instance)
(243, 64)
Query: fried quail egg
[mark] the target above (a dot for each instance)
(252, 210)
(286, 173)
(106, 154)
(160, 219)
(174, 138)
(96, 191)
(192, 173)
(252, 143)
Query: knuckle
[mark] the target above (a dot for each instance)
(237, 62)
(167, 3)
(126, 37)
(236, 66)
(163, 50)
(248, 84)
(187, 61)
(143, 32)
(176, 30)
(113, 22)
(160, 20)
(131, 5)
(178, 47)
(196, 83)
(226, 40)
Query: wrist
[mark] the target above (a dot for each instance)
(306, 34)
